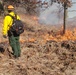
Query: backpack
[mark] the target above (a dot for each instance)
(17, 25)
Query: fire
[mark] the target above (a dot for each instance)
(31, 39)
(22, 41)
(27, 40)
(69, 35)
(35, 18)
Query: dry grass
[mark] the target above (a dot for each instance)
(38, 55)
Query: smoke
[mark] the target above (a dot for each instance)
(53, 15)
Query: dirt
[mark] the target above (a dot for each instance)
(42, 51)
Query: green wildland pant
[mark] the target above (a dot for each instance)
(14, 43)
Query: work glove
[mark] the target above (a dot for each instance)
(4, 36)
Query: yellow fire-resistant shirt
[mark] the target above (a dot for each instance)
(7, 23)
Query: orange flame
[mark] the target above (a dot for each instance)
(35, 18)
(69, 35)
(27, 40)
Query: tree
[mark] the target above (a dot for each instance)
(65, 4)
(1, 7)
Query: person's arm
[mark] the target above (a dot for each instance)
(6, 22)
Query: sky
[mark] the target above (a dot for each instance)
(72, 14)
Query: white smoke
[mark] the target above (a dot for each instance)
(53, 15)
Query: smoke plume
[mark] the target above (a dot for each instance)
(53, 15)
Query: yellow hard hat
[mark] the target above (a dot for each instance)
(10, 7)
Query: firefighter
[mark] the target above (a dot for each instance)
(13, 37)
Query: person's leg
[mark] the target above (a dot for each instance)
(18, 46)
(12, 42)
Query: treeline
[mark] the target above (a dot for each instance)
(31, 6)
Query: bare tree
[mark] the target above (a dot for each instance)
(65, 4)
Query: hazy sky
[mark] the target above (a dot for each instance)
(72, 14)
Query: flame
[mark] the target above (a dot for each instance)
(27, 40)
(31, 39)
(35, 18)
(43, 38)
(22, 41)
(69, 35)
